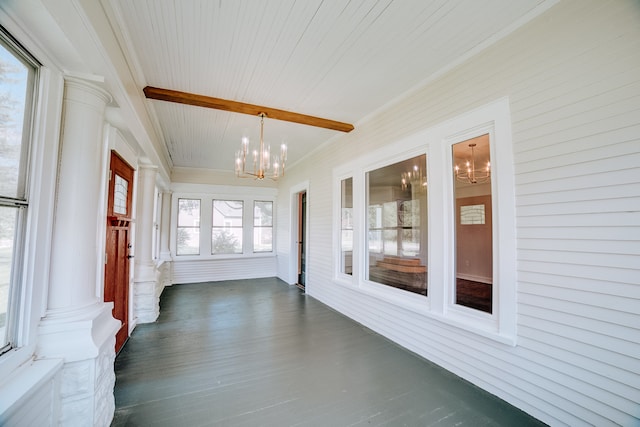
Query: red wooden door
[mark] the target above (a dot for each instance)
(118, 247)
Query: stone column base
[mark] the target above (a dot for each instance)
(146, 302)
(85, 341)
(147, 290)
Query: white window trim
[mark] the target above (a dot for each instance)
(494, 119)
(345, 279)
(413, 146)
(436, 142)
(39, 219)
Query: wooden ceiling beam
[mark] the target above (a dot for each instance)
(241, 107)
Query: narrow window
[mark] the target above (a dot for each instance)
(473, 241)
(226, 232)
(346, 226)
(188, 234)
(397, 225)
(262, 226)
(17, 78)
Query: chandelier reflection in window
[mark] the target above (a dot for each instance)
(470, 174)
(415, 178)
(264, 166)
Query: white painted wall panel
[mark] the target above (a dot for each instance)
(223, 269)
(31, 395)
(573, 81)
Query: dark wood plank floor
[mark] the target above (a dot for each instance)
(261, 353)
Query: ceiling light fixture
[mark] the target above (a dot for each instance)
(263, 165)
(472, 175)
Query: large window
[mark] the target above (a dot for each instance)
(397, 225)
(262, 226)
(222, 225)
(188, 234)
(226, 229)
(17, 76)
(346, 226)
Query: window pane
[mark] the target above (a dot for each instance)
(411, 243)
(262, 239)
(227, 213)
(262, 226)
(188, 213)
(188, 241)
(474, 245)
(390, 242)
(390, 214)
(472, 214)
(14, 79)
(226, 241)
(346, 225)
(397, 225)
(262, 214)
(188, 232)
(8, 221)
(17, 76)
(375, 241)
(120, 195)
(346, 238)
(226, 231)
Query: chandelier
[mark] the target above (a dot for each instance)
(472, 175)
(414, 178)
(263, 165)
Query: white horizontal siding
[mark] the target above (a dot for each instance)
(223, 269)
(573, 80)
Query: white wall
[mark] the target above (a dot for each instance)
(572, 77)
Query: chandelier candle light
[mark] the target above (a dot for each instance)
(263, 165)
(472, 175)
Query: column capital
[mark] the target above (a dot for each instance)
(85, 86)
(152, 168)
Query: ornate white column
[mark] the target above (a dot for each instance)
(146, 284)
(78, 326)
(165, 262)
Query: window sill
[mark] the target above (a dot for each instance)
(344, 280)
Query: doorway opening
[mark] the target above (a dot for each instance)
(301, 240)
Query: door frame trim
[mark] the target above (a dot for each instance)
(293, 233)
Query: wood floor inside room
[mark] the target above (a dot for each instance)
(261, 353)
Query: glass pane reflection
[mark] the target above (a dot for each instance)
(473, 255)
(397, 225)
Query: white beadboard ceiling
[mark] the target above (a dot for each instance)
(335, 59)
